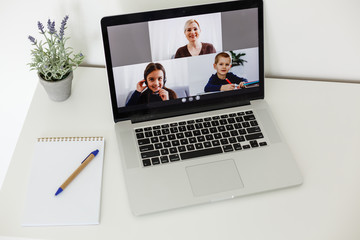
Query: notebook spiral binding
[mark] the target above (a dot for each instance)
(69, 139)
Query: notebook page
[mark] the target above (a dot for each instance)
(54, 160)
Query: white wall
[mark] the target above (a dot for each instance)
(313, 39)
(303, 39)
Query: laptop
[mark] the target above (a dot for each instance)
(187, 94)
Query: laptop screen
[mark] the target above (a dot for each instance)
(177, 61)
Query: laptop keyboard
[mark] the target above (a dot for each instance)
(183, 140)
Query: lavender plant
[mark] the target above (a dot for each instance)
(51, 58)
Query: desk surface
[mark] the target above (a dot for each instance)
(320, 121)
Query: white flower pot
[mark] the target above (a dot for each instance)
(58, 91)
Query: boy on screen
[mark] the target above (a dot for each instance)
(223, 80)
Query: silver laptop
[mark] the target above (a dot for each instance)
(187, 93)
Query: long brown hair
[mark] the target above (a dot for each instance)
(153, 67)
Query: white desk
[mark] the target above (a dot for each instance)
(320, 120)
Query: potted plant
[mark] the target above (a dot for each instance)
(236, 58)
(53, 61)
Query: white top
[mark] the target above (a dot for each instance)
(320, 121)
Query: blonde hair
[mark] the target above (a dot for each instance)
(189, 22)
(222, 54)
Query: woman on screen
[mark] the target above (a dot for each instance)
(154, 83)
(192, 33)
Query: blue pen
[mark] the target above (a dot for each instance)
(83, 164)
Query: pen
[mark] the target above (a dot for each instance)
(83, 164)
(228, 80)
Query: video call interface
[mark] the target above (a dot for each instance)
(185, 58)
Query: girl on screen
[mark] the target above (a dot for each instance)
(154, 83)
(192, 33)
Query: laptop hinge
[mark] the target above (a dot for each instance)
(153, 114)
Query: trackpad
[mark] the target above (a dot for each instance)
(216, 177)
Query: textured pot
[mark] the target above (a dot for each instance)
(58, 91)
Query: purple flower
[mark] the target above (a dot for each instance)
(51, 27)
(32, 39)
(62, 27)
(41, 27)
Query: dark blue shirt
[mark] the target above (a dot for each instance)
(214, 84)
(141, 98)
(147, 96)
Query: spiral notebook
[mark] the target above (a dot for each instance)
(54, 160)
